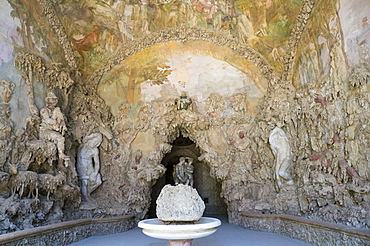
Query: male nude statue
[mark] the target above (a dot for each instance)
(88, 164)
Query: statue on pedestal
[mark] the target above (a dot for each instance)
(53, 125)
(282, 151)
(183, 172)
(88, 165)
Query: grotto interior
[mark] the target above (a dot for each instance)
(269, 100)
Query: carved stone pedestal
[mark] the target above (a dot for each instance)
(179, 234)
(187, 242)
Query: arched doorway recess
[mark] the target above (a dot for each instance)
(208, 188)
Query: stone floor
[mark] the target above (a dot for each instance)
(226, 235)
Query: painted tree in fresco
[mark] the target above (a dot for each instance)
(144, 67)
(35, 31)
(270, 24)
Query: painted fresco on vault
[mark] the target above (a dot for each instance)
(163, 71)
(334, 43)
(96, 29)
(263, 24)
(356, 31)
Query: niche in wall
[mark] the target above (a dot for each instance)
(208, 188)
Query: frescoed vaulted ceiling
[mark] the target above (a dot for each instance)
(102, 38)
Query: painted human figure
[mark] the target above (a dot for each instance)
(184, 102)
(53, 125)
(202, 7)
(88, 165)
(88, 42)
(282, 151)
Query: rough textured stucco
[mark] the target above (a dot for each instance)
(315, 91)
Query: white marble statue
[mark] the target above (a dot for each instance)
(189, 169)
(282, 151)
(53, 125)
(88, 164)
(183, 171)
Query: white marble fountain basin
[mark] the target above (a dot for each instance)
(157, 229)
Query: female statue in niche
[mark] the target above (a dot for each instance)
(282, 151)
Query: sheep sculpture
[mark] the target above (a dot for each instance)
(50, 183)
(19, 180)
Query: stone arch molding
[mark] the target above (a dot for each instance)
(196, 127)
(183, 34)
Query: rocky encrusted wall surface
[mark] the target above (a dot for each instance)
(311, 231)
(65, 233)
(304, 152)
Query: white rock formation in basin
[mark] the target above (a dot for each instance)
(180, 203)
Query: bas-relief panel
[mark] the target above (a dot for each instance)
(161, 72)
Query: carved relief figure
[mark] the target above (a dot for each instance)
(53, 125)
(88, 164)
(240, 102)
(6, 91)
(282, 151)
(215, 105)
(6, 128)
(184, 102)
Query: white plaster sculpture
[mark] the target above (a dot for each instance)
(88, 165)
(183, 171)
(53, 125)
(282, 151)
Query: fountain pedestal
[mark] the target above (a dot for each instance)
(179, 234)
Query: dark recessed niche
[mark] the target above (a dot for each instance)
(182, 141)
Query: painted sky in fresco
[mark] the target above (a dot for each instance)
(199, 76)
(8, 32)
(356, 29)
(197, 67)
